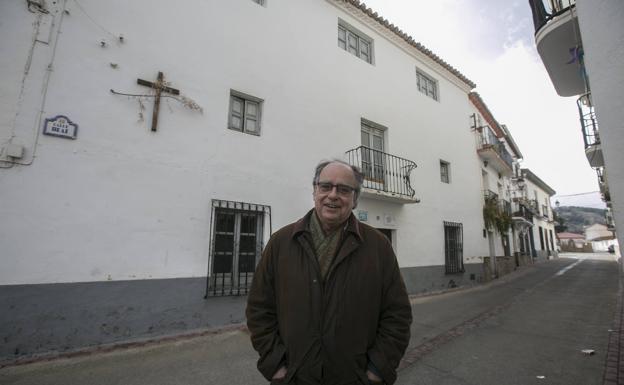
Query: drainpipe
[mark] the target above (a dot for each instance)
(10, 161)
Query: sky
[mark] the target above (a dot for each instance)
(491, 42)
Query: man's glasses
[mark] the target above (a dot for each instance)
(341, 189)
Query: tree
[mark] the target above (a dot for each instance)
(560, 226)
(496, 218)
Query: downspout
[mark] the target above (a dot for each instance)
(46, 80)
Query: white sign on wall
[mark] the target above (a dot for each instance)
(60, 126)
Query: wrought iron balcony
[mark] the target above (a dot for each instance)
(589, 126)
(603, 185)
(386, 176)
(494, 152)
(502, 204)
(559, 44)
(545, 213)
(522, 213)
(489, 194)
(609, 220)
(544, 11)
(506, 206)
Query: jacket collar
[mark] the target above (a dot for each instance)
(301, 226)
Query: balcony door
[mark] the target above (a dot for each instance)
(373, 165)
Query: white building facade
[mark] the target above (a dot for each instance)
(96, 191)
(537, 194)
(581, 44)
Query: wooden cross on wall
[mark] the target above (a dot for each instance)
(160, 87)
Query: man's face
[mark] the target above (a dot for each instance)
(334, 207)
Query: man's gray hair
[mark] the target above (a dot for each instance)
(357, 174)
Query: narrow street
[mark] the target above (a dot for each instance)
(526, 328)
(534, 331)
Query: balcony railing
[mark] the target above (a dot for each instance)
(490, 195)
(523, 212)
(600, 174)
(498, 148)
(506, 207)
(589, 124)
(531, 205)
(383, 172)
(545, 10)
(545, 213)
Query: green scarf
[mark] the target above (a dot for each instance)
(325, 246)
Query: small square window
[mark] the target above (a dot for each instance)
(445, 171)
(244, 113)
(427, 85)
(355, 42)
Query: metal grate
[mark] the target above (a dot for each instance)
(382, 171)
(453, 247)
(237, 231)
(589, 124)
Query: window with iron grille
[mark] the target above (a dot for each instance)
(355, 42)
(237, 235)
(453, 248)
(245, 111)
(427, 84)
(445, 169)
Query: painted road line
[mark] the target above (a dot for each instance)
(565, 269)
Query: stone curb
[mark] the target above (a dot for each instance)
(614, 367)
(107, 348)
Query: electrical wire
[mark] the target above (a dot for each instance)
(93, 20)
(577, 194)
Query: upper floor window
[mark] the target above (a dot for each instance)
(445, 171)
(372, 135)
(355, 42)
(427, 85)
(245, 113)
(261, 2)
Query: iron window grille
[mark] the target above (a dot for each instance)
(453, 247)
(237, 231)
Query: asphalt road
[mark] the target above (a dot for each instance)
(534, 331)
(531, 323)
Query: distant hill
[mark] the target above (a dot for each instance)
(575, 218)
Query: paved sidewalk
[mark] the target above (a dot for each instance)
(222, 356)
(226, 356)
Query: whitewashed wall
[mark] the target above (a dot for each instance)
(603, 43)
(548, 226)
(121, 202)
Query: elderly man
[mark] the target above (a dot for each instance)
(328, 304)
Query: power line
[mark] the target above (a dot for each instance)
(577, 194)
